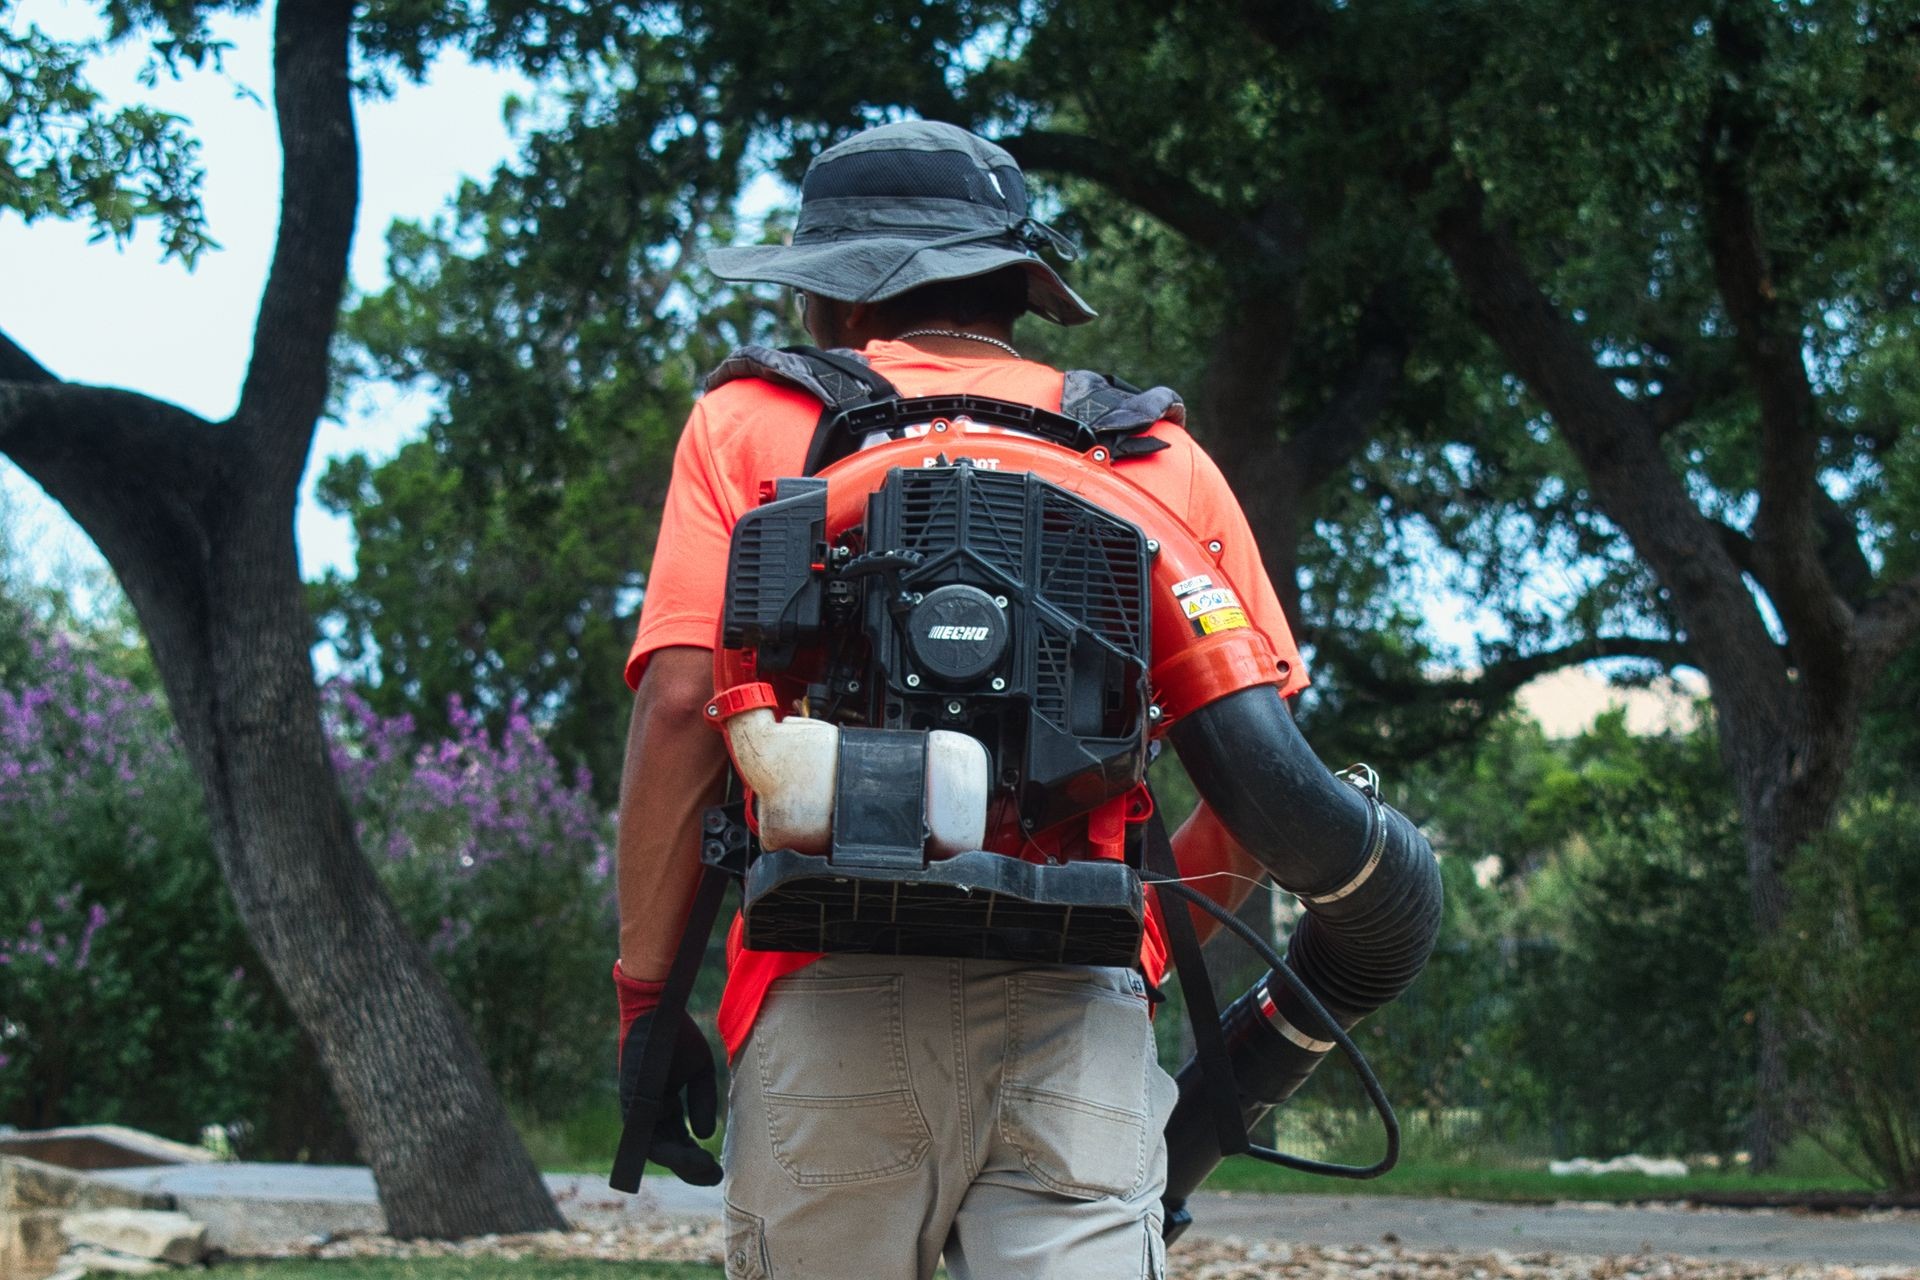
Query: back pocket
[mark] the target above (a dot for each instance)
(1075, 1103)
(833, 1071)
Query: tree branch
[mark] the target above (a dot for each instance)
(286, 383)
(1329, 442)
(1839, 550)
(1504, 677)
(71, 437)
(1785, 531)
(1168, 197)
(1619, 450)
(1887, 625)
(17, 366)
(134, 472)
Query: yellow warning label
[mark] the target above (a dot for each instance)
(1221, 620)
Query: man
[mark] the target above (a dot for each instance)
(886, 1111)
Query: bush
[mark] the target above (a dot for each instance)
(1585, 995)
(1845, 964)
(129, 991)
(1630, 1015)
(504, 869)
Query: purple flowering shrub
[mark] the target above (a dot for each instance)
(124, 992)
(503, 866)
(128, 989)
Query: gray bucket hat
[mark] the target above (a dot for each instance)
(906, 205)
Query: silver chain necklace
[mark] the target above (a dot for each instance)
(966, 337)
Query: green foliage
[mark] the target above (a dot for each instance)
(64, 154)
(1631, 1013)
(500, 558)
(128, 987)
(130, 991)
(1587, 992)
(1845, 960)
(503, 866)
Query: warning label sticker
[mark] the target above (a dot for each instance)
(1221, 620)
(1188, 586)
(1207, 601)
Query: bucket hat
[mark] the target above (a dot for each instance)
(906, 205)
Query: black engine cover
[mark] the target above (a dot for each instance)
(1020, 616)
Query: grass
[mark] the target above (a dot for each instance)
(1488, 1172)
(1428, 1167)
(465, 1269)
(1520, 1185)
(585, 1142)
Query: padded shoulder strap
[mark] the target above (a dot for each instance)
(838, 379)
(1114, 407)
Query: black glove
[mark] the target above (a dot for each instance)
(691, 1070)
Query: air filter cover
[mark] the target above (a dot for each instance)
(957, 633)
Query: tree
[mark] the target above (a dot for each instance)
(1697, 326)
(195, 519)
(499, 557)
(1616, 297)
(1681, 238)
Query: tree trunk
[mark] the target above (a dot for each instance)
(197, 523)
(1787, 786)
(205, 551)
(229, 632)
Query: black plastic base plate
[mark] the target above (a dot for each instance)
(981, 905)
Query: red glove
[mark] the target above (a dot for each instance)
(636, 998)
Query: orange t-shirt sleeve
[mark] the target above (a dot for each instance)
(1213, 512)
(687, 582)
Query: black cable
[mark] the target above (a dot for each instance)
(1368, 1081)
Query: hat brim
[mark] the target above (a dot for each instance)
(843, 270)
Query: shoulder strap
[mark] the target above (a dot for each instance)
(839, 380)
(636, 1129)
(1209, 1043)
(1116, 411)
(1114, 408)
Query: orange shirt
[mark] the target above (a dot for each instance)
(748, 431)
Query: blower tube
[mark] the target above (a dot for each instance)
(1365, 875)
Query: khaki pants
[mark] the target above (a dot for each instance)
(888, 1110)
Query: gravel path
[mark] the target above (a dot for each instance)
(1884, 1238)
(1203, 1259)
(280, 1209)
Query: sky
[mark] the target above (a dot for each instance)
(119, 316)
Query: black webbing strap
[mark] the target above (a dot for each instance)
(636, 1131)
(853, 384)
(1209, 1045)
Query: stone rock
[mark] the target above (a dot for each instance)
(27, 1185)
(89, 1261)
(140, 1233)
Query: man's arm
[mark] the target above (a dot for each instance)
(675, 769)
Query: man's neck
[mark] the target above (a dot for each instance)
(977, 341)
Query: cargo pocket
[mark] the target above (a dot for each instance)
(833, 1073)
(746, 1245)
(1075, 1102)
